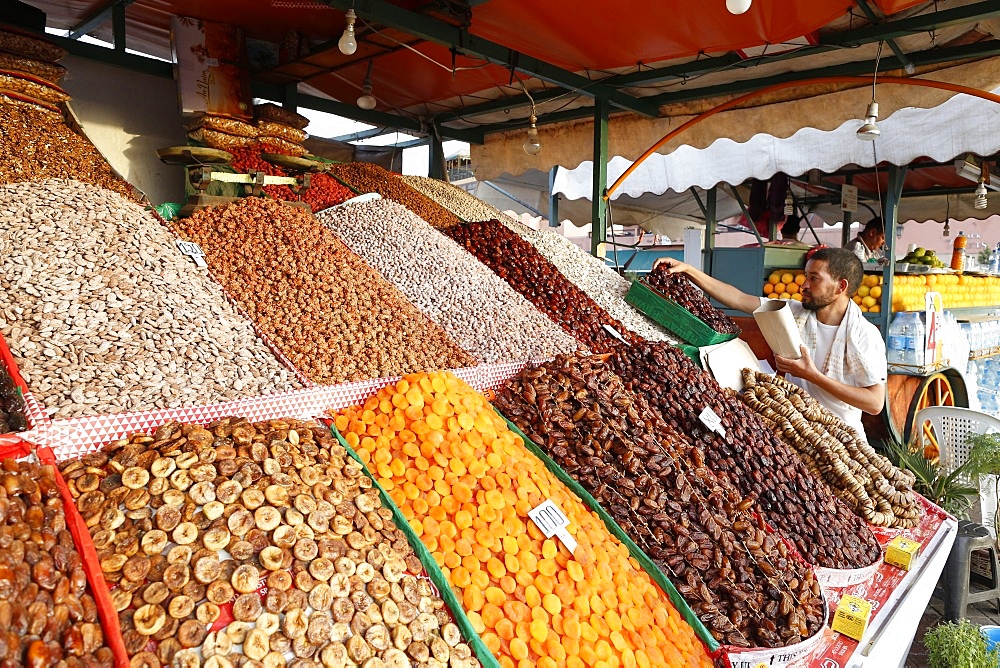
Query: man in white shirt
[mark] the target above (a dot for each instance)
(843, 364)
(868, 244)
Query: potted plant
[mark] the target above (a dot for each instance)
(959, 645)
(984, 461)
(951, 491)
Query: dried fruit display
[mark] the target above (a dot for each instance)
(788, 495)
(865, 480)
(324, 191)
(333, 316)
(318, 570)
(12, 416)
(47, 615)
(475, 306)
(741, 581)
(517, 262)
(104, 315)
(368, 178)
(590, 274)
(36, 144)
(681, 290)
(467, 483)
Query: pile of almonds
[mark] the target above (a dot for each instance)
(369, 178)
(518, 263)
(590, 274)
(741, 581)
(47, 617)
(316, 569)
(788, 495)
(333, 316)
(103, 314)
(681, 290)
(36, 144)
(12, 417)
(471, 303)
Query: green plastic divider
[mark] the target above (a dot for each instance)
(692, 352)
(674, 317)
(433, 570)
(647, 564)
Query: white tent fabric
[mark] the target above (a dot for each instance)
(961, 124)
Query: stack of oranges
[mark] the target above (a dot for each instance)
(784, 285)
(465, 483)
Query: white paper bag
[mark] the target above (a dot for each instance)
(779, 329)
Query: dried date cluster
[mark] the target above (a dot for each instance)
(741, 581)
(517, 262)
(12, 417)
(316, 569)
(333, 316)
(47, 617)
(678, 288)
(789, 496)
(369, 178)
(865, 480)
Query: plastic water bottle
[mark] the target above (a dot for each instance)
(915, 341)
(995, 261)
(896, 343)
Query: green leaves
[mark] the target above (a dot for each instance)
(952, 491)
(959, 645)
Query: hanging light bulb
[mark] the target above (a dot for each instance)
(947, 229)
(981, 202)
(789, 203)
(533, 145)
(347, 43)
(869, 131)
(367, 100)
(738, 6)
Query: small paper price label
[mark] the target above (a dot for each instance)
(712, 421)
(550, 518)
(193, 251)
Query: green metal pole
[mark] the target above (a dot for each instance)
(553, 198)
(599, 222)
(436, 168)
(711, 207)
(894, 192)
(845, 232)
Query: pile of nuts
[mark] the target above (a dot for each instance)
(680, 289)
(590, 274)
(865, 480)
(103, 314)
(517, 262)
(324, 191)
(467, 484)
(333, 316)
(36, 144)
(472, 304)
(741, 582)
(316, 567)
(47, 617)
(756, 462)
(369, 178)
(12, 416)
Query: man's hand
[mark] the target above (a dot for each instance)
(731, 296)
(673, 266)
(803, 367)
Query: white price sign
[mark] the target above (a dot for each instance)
(712, 421)
(193, 251)
(848, 198)
(550, 518)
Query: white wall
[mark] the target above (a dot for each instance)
(128, 116)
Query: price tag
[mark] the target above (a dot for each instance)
(550, 518)
(193, 251)
(848, 198)
(712, 421)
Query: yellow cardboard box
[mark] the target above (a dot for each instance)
(851, 617)
(902, 552)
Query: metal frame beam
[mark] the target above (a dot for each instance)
(599, 221)
(500, 104)
(980, 11)
(98, 18)
(873, 17)
(471, 45)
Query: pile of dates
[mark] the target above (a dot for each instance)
(527, 271)
(741, 581)
(789, 496)
(47, 617)
(12, 416)
(681, 290)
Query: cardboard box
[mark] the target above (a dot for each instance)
(902, 552)
(852, 616)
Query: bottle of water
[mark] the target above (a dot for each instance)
(915, 341)
(896, 342)
(995, 261)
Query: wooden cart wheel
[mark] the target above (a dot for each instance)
(935, 390)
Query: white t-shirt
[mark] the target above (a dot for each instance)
(825, 335)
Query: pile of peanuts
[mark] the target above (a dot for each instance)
(517, 262)
(47, 616)
(103, 314)
(472, 304)
(368, 178)
(590, 274)
(316, 569)
(467, 484)
(333, 316)
(749, 456)
(741, 581)
(36, 144)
